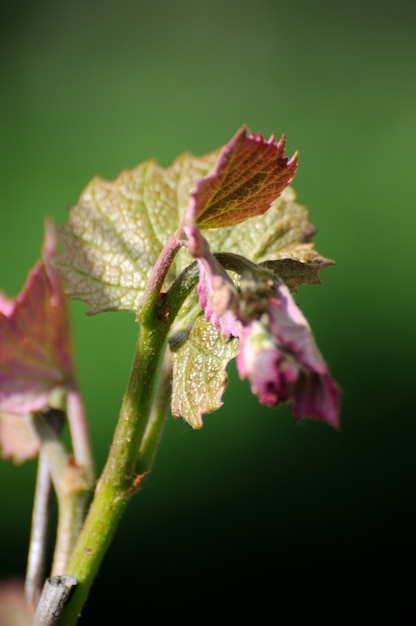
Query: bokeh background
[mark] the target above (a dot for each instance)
(253, 514)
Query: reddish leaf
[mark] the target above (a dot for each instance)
(35, 350)
(279, 356)
(250, 174)
(17, 440)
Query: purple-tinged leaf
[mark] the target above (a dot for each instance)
(279, 356)
(35, 345)
(17, 439)
(6, 304)
(218, 298)
(249, 175)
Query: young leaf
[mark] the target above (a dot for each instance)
(295, 273)
(35, 345)
(249, 175)
(118, 229)
(17, 439)
(279, 356)
(281, 239)
(282, 234)
(200, 359)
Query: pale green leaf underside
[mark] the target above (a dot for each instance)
(117, 230)
(283, 232)
(199, 377)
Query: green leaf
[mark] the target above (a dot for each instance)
(117, 230)
(250, 174)
(282, 234)
(200, 357)
(295, 273)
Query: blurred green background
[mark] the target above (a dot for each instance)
(252, 513)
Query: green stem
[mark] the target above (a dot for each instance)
(72, 504)
(40, 515)
(138, 430)
(39, 532)
(72, 489)
(120, 477)
(156, 424)
(79, 433)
